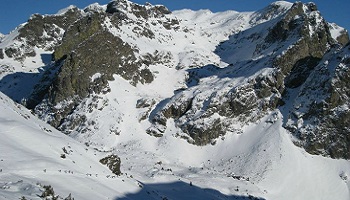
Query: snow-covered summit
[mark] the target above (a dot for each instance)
(271, 11)
(95, 7)
(185, 99)
(65, 10)
(339, 33)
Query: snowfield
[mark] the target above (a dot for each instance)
(253, 161)
(262, 162)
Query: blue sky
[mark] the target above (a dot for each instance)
(15, 12)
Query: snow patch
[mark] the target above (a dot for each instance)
(65, 10)
(95, 7)
(336, 30)
(95, 76)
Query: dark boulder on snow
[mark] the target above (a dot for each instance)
(113, 163)
(1, 54)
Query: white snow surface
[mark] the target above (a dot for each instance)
(272, 167)
(336, 30)
(269, 165)
(1, 36)
(30, 155)
(65, 10)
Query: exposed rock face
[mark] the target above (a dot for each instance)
(48, 29)
(43, 32)
(343, 38)
(1, 54)
(89, 56)
(138, 10)
(312, 30)
(320, 113)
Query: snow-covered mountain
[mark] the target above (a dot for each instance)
(196, 104)
(34, 155)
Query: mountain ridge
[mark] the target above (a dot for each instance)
(284, 21)
(239, 99)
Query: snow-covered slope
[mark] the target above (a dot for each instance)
(262, 161)
(32, 157)
(339, 33)
(146, 84)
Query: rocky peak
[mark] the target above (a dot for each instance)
(41, 31)
(86, 54)
(301, 19)
(311, 6)
(114, 6)
(87, 50)
(144, 11)
(95, 7)
(309, 72)
(304, 22)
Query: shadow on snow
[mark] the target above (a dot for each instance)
(181, 190)
(19, 85)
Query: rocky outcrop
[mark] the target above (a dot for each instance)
(138, 10)
(320, 114)
(41, 31)
(317, 118)
(313, 32)
(113, 163)
(45, 31)
(89, 55)
(1, 54)
(343, 38)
